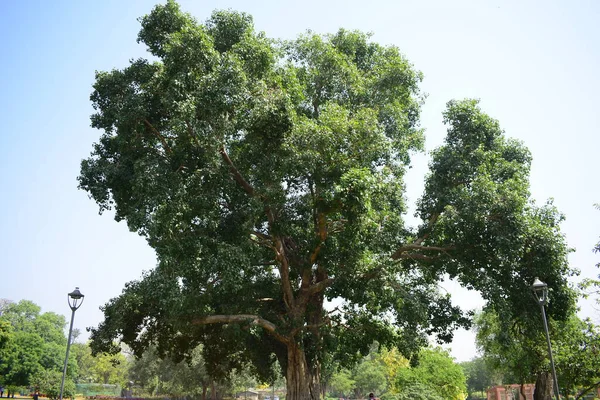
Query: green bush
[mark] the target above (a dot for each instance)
(48, 383)
(417, 391)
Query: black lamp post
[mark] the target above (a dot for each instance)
(540, 291)
(74, 302)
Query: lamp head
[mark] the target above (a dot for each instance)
(540, 291)
(76, 294)
(74, 298)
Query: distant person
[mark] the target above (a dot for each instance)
(36, 395)
(1, 391)
(372, 396)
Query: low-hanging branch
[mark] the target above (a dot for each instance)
(402, 252)
(242, 318)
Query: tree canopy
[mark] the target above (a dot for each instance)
(32, 345)
(268, 177)
(517, 351)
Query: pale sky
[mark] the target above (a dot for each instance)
(533, 64)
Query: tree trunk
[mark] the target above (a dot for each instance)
(543, 387)
(204, 389)
(302, 382)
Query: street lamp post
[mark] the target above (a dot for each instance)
(73, 299)
(540, 291)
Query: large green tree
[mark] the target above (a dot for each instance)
(268, 177)
(517, 350)
(36, 343)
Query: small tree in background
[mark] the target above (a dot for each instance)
(436, 370)
(48, 383)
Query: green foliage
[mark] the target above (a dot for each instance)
(591, 287)
(158, 376)
(518, 352)
(6, 334)
(369, 377)
(166, 377)
(341, 383)
(577, 354)
(268, 178)
(415, 391)
(392, 362)
(48, 382)
(95, 389)
(34, 343)
(521, 354)
(386, 372)
(478, 196)
(82, 354)
(109, 369)
(479, 376)
(436, 370)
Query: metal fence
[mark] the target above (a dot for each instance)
(95, 389)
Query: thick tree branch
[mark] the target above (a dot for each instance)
(418, 243)
(262, 235)
(432, 220)
(284, 272)
(279, 248)
(416, 256)
(306, 327)
(243, 318)
(322, 233)
(158, 135)
(263, 243)
(414, 246)
(320, 286)
(315, 253)
(236, 174)
(262, 240)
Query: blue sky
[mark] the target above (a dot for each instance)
(533, 64)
